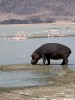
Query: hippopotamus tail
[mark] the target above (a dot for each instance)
(70, 51)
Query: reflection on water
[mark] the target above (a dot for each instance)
(30, 78)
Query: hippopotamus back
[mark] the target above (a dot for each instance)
(52, 47)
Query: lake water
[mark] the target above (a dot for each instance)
(19, 52)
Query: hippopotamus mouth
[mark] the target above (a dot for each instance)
(34, 62)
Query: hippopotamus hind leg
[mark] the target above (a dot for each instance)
(65, 61)
(48, 59)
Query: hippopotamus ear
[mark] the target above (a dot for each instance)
(33, 54)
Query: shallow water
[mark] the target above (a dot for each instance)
(19, 52)
(30, 77)
(19, 79)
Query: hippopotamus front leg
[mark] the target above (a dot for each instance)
(44, 59)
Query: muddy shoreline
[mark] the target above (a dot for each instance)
(62, 88)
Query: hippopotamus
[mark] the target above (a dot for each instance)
(53, 51)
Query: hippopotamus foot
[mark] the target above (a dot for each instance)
(47, 64)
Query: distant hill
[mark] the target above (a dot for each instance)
(31, 11)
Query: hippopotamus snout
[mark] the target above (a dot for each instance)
(35, 58)
(34, 62)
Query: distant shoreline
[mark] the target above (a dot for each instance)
(53, 23)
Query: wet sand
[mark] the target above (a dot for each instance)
(62, 88)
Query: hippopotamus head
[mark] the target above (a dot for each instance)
(35, 58)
